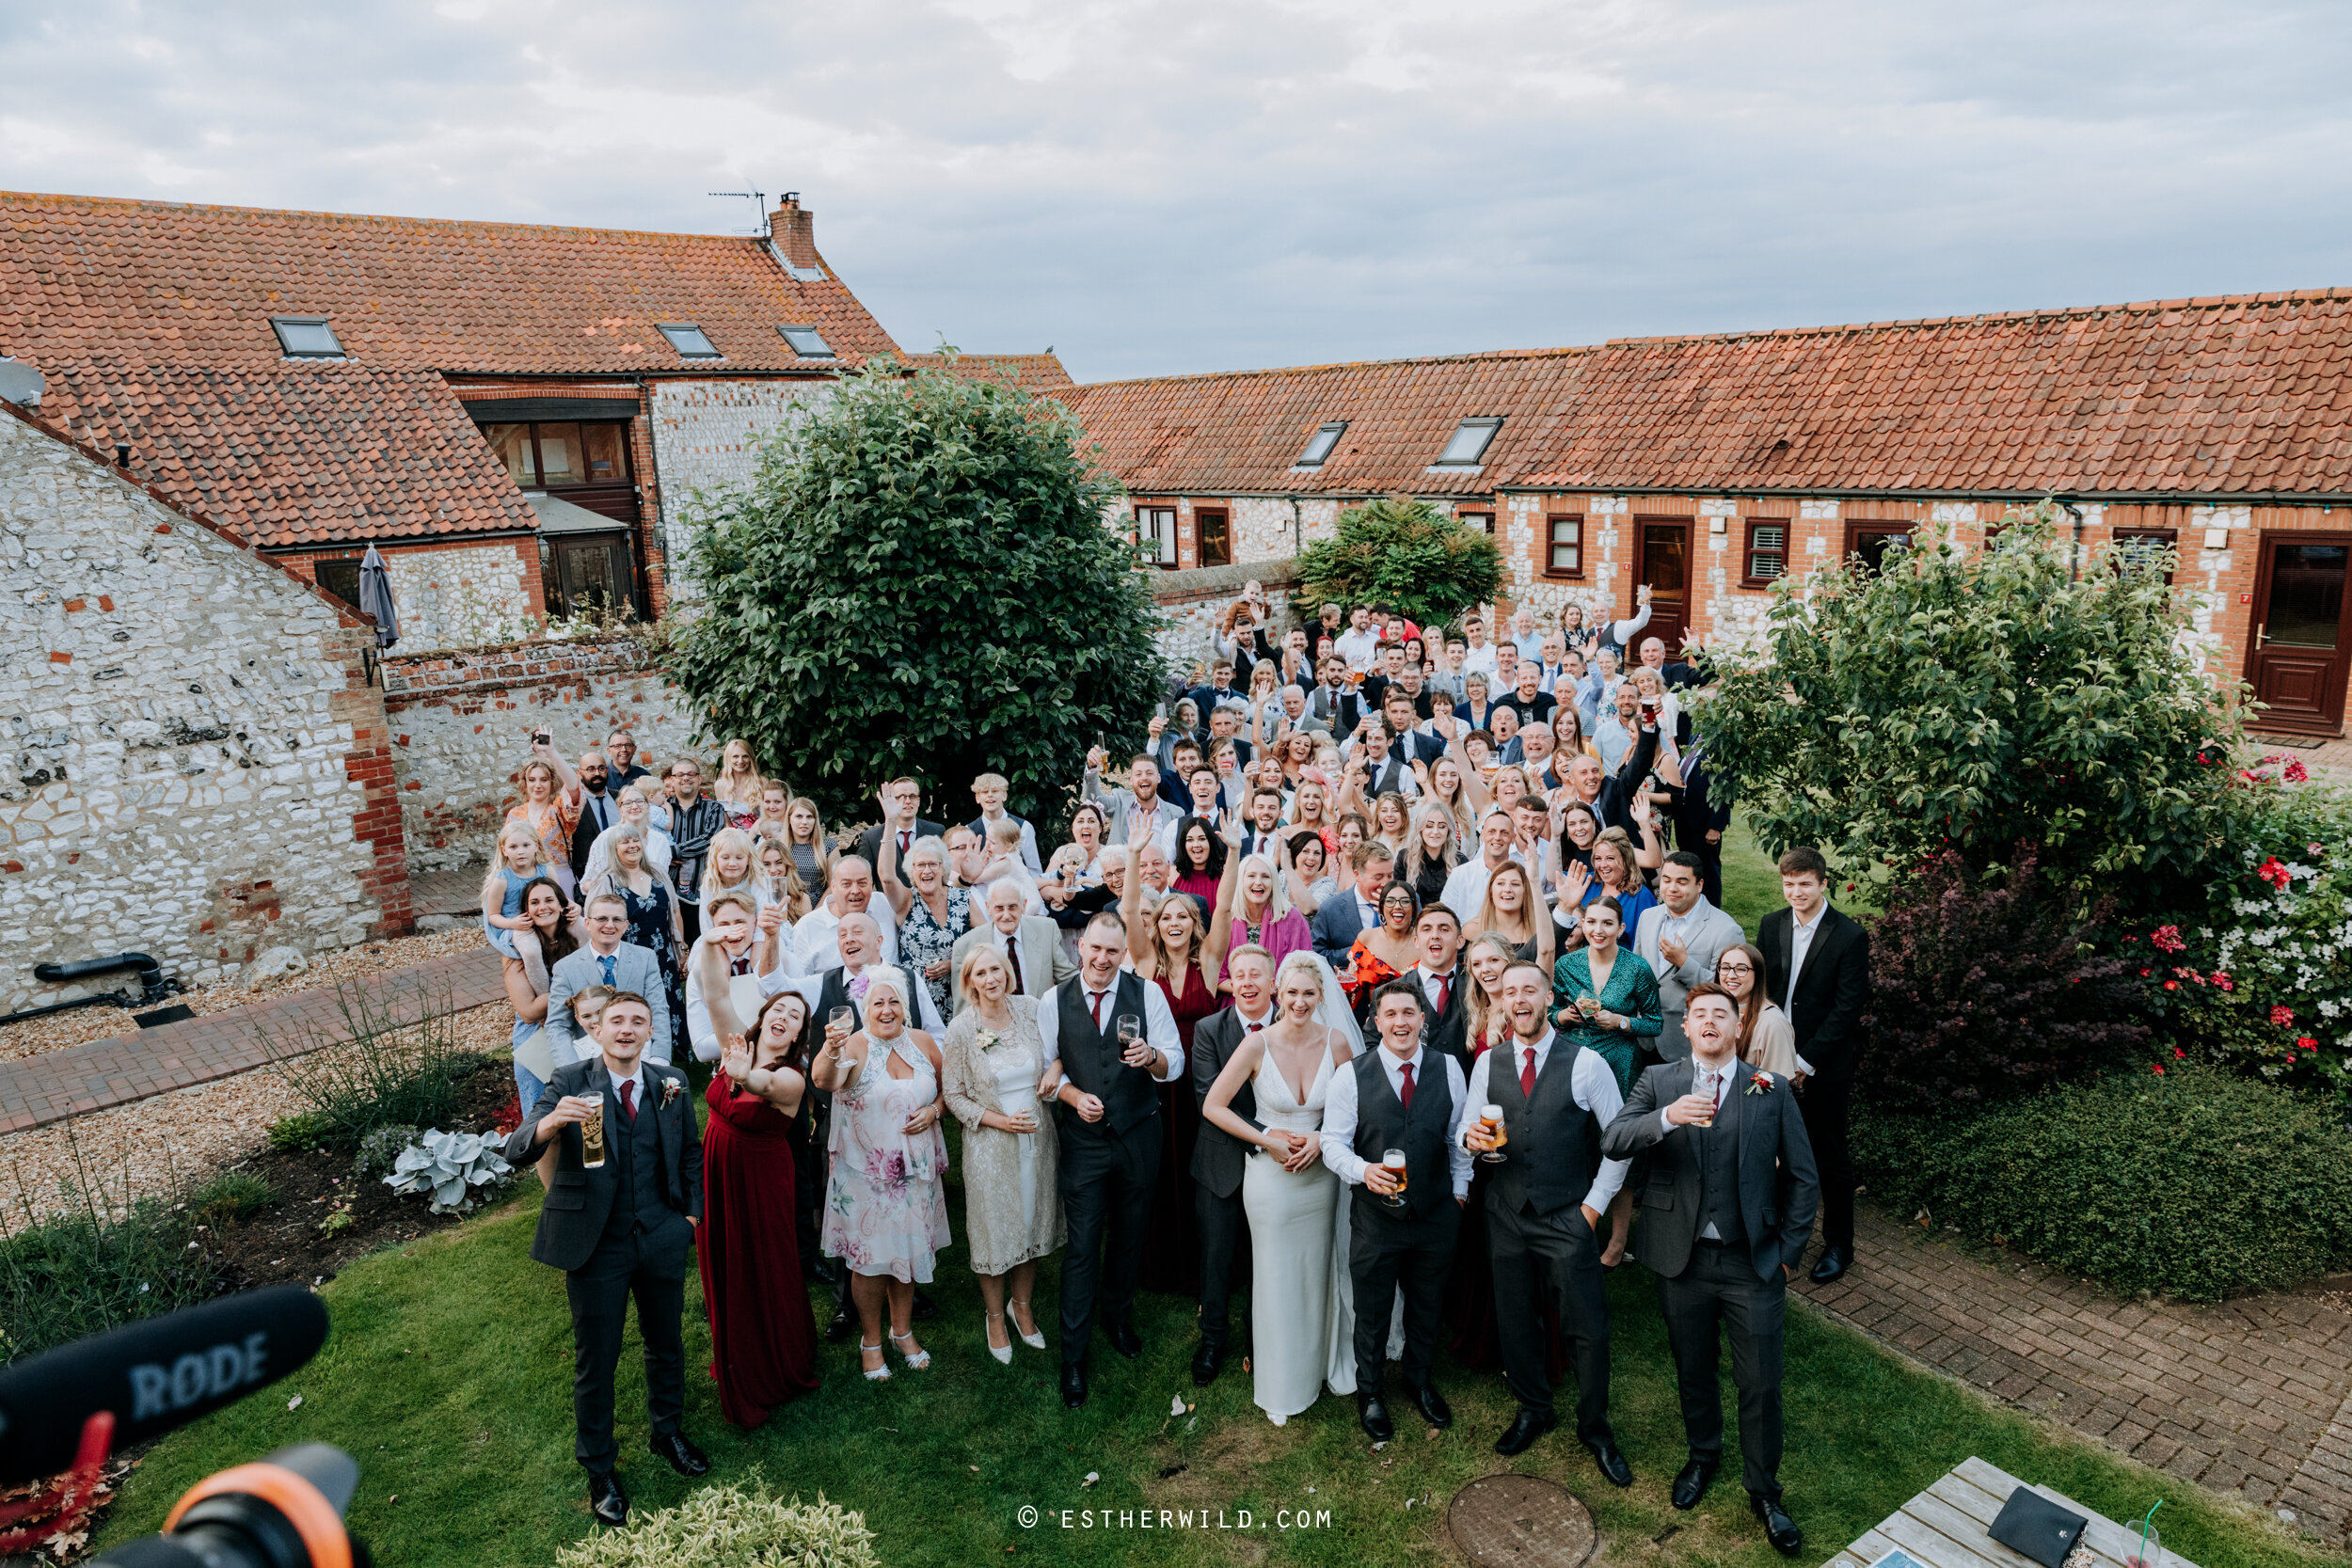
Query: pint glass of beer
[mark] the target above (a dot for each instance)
(592, 1137)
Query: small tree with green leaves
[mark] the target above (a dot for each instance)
(1404, 553)
(1973, 702)
(919, 581)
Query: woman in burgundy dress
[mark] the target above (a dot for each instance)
(1171, 950)
(763, 1340)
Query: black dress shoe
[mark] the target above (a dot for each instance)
(1525, 1428)
(1690, 1484)
(1834, 1262)
(838, 1330)
(1373, 1414)
(923, 1311)
(1433, 1407)
(1207, 1361)
(607, 1501)
(1611, 1463)
(1073, 1385)
(686, 1459)
(1126, 1341)
(1780, 1530)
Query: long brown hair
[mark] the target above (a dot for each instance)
(1752, 1010)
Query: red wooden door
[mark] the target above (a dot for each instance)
(1666, 567)
(2302, 649)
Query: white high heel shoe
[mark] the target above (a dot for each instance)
(1035, 1341)
(1002, 1352)
(916, 1362)
(875, 1375)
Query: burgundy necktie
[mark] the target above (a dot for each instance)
(1527, 1075)
(1445, 992)
(904, 839)
(1095, 1007)
(628, 1097)
(1405, 1095)
(1255, 1027)
(1012, 956)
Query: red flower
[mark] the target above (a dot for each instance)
(2179, 1055)
(2131, 939)
(2156, 1067)
(2145, 972)
(2282, 1016)
(2296, 772)
(2168, 939)
(2272, 872)
(2307, 1043)
(2172, 985)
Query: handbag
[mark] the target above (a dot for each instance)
(2032, 1524)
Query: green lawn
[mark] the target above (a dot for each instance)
(1752, 887)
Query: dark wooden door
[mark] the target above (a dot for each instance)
(2299, 661)
(594, 574)
(1666, 567)
(1217, 540)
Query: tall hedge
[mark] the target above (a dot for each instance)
(1404, 553)
(919, 581)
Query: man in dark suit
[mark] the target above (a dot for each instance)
(622, 1228)
(1612, 798)
(1219, 1157)
(1700, 819)
(1439, 975)
(1727, 1210)
(1406, 740)
(1346, 917)
(600, 806)
(1817, 967)
(903, 822)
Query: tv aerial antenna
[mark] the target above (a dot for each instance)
(760, 198)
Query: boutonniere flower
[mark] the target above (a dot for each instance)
(859, 986)
(671, 1089)
(1760, 1084)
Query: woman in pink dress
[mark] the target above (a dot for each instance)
(1253, 905)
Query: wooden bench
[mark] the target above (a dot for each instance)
(1945, 1527)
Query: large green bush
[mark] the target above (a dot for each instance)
(1974, 700)
(1403, 552)
(725, 1527)
(920, 581)
(2184, 1181)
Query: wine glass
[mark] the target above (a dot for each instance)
(842, 1018)
(1492, 1117)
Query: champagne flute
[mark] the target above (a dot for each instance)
(1491, 1118)
(1394, 1159)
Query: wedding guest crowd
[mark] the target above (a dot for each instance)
(1384, 990)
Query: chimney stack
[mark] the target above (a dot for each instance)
(795, 231)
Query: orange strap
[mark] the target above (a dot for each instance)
(305, 1506)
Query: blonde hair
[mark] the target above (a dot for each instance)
(588, 1002)
(1277, 903)
(890, 977)
(747, 902)
(725, 839)
(1622, 841)
(1477, 989)
(972, 954)
(1487, 913)
(1305, 963)
(496, 880)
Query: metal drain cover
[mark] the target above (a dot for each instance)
(1520, 1522)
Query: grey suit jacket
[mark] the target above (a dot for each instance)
(1115, 804)
(1336, 926)
(1217, 1156)
(1711, 931)
(1779, 1190)
(1044, 964)
(579, 1199)
(634, 969)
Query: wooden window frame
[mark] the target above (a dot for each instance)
(1147, 542)
(2168, 535)
(1858, 529)
(1548, 545)
(1201, 534)
(1747, 548)
(1486, 520)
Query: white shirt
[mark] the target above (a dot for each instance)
(1465, 886)
(1594, 1087)
(1800, 942)
(1028, 839)
(1429, 982)
(636, 1076)
(1358, 647)
(1159, 1025)
(1340, 1113)
(812, 986)
(1481, 659)
(813, 948)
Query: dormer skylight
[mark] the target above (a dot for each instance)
(1469, 445)
(1320, 446)
(807, 343)
(690, 341)
(305, 337)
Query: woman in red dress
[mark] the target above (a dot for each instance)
(1171, 950)
(763, 1340)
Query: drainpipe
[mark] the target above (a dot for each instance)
(662, 499)
(2075, 561)
(1298, 530)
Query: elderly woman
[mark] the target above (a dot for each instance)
(885, 1207)
(635, 805)
(933, 912)
(1012, 1202)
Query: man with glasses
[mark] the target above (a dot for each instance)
(620, 752)
(693, 819)
(607, 960)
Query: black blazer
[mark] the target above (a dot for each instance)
(1448, 1031)
(869, 842)
(1696, 813)
(1217, 1156)
(1615, 803)
(584, 835)
(1779, 1190)
(579, 1199)
(1832, 992)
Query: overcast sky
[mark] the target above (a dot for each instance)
(1153, 188)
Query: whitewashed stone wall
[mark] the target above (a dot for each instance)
(1598, 592)
(461, 598)
(1183, 638)
(707, 436)
(173, 739)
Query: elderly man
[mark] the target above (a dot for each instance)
(1466, 885)
(1680, 937)
(1611, 797)
(1681, 675)
(1539, 750)
(620, 754)
(849, 890)
(1031, 943)
(1525, 637)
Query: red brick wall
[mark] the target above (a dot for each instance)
(370, 764)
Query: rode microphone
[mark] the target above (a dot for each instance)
(153, 1376)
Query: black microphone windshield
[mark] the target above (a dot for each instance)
(153, 1375)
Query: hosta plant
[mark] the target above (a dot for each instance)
(446, 1167)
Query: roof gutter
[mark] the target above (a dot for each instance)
(2104, 498)
(391, 541)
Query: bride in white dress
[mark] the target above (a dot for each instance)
(1292, 1198)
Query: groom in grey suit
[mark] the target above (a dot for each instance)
(606, 960)
(1727, 1210)
(1680, 937)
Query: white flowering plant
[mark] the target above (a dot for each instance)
(2261, 979)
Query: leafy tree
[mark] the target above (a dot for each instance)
(919, 581)
(1976, 702)
(1404, 553)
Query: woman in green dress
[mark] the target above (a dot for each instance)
(1605, 999)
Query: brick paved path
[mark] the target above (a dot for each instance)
(457, 891)
(2251, 1397)
(62, 1084)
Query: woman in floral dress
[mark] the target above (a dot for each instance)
(931, 911)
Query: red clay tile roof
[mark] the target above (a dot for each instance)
(152, 319)
(1035, 373)
(1244, 433)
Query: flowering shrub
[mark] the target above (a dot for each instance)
(2261, 980)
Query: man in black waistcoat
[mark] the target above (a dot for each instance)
(1218, 1158)
(1110, 1129)
(1439, 974)
(620, 1229)
(1727, 1210)
(1403, 1097)
(1542, 1203)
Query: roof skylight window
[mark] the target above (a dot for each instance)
(690, 341)
(1470, 438)
(1320, 446)
(305, 337)
(807, 343)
